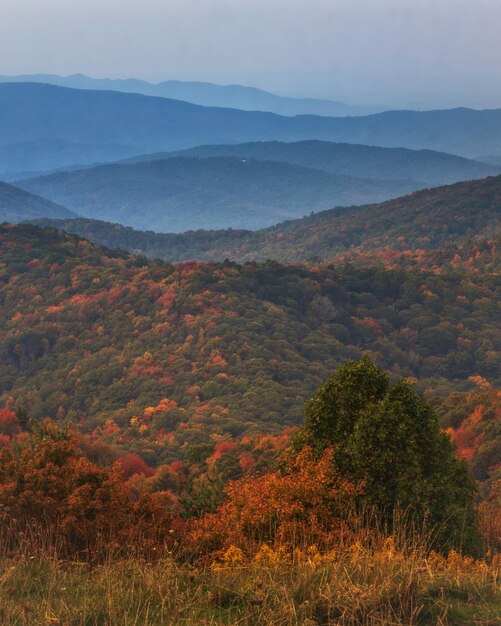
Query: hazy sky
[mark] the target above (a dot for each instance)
(400, 52)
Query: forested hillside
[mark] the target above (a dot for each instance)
(17, 205)
(160, 358)
(426, 220)
(179, 194)
(250, 341)
(428, 167)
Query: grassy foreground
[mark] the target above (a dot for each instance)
(350, 588)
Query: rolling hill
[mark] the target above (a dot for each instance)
(161, 358)
(428, 219)
(180, 193)
(165, 383)
(17, 205)
(107, 123)
(428, 167)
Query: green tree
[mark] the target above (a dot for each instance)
(388, 436)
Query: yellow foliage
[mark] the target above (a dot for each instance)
(233, 555)
(266, 556)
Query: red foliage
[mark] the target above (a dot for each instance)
(223, 447)
(9, 425)
(167, 298)
(372, 324)
(247, 461)
(132, 464)
(177, 467)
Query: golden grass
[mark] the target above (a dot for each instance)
(356, 586)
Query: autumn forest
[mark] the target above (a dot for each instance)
(145, 404)
(250, 306)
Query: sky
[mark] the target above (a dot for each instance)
(418, 53)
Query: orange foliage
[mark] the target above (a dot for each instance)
(309, 501)
(465, 437)
(482, 382)
(52, 485)
(86, 509)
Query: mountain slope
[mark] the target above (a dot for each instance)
(31, 113)
(432, 218)
(17, 205)
(427, 166)
(179, 194)
(166, 357)
(492, 159)
(31, 158)
(203, 93)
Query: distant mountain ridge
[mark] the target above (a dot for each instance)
(429, 219)
(428, 167)
(110, 125)
(185, 193)
(17, 205)
(203, 93)
(492, 159)
(30, 158)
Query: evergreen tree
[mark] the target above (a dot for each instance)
(387, 436)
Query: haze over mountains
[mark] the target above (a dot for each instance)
(426, 167)
(17, 205)
(247, 185)
(429, 219)
(491, 158)
(177, 194)
(46, 127)
(180, 166)
(203, 93)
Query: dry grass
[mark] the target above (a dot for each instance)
(356, 586)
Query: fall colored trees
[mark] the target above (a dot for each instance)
(367, 446)
(193, 376)
(369, 451)
(49, 490)
(307, 503)
(9, 423)
(93, 335)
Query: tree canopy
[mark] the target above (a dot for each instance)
(387, 436)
